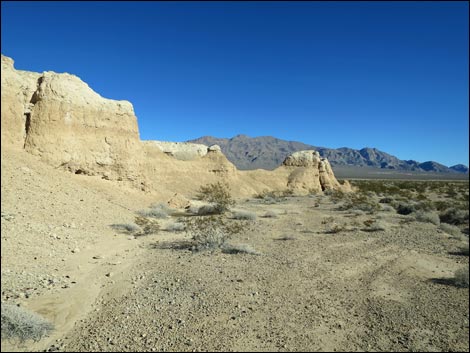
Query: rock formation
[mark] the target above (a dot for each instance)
(59, 118)
(183, 151)
(310, 173)
(69, 126)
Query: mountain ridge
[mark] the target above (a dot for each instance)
(268, 152)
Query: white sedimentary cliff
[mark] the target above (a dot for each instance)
(59, 118)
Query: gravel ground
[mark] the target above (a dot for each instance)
(309, 289)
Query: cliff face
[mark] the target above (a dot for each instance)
(69, 126)
(18, 88)
(62, 120)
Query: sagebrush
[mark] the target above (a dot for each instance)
(218, 194)
(212, 232)
(21, 324)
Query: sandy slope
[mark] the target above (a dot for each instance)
(348, 291)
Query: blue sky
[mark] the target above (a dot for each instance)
(390, 75)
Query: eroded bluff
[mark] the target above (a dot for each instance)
(59, 118)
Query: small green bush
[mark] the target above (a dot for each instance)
(360, 202)
(217, 194)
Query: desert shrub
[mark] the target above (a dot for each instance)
(212, 232)
(360, 202)
(270, 214)
(357, 212)
(153, 213)
(127, 227)
(442, 205)
(239, 248)
(427, 217)
(246, 215)
(18, 323)
(425, 206)
(421, 197)
(450, 229)
(386, 200)
(374, 226)
(274, 195)
(405, 208)
(263, 194)
(454, 216)
(334, 229)
(335, 195)
(387, 208)
(175, 227)
(204, 210)
(464, 249)
(461, 277)
(148, 225)
(218, 194)
(287, 237)
(162, 206)
(327, 220)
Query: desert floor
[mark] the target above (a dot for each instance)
(308, 289)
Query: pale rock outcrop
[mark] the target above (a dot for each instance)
(220, 165)
(62, 120)
(17, 90)
(178, 201)
(310, 173)
(69, 126)
(214, 148)
(183, 151)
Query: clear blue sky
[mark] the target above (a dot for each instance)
(390, 75)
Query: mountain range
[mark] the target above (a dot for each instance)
(267, 152)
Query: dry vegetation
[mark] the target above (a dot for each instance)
(19, 324)
(381, 269)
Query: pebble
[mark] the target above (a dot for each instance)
(76, 250)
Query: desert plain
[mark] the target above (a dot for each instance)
(94, 239)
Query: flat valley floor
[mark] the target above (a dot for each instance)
(321, 281)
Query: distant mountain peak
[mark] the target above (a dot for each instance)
(268, 152)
